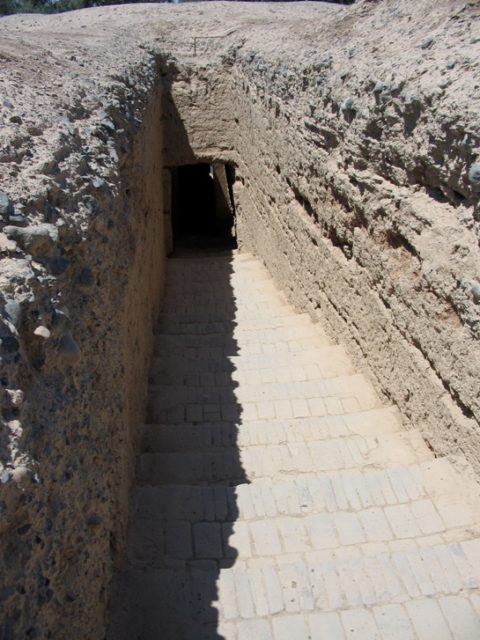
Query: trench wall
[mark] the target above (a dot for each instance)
(81, 384)
(388, 264)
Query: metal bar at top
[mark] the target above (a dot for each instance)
(224, 35)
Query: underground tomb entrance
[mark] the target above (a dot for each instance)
(202, 206)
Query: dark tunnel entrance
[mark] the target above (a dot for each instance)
(203, 212)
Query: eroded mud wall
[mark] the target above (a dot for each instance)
(83, 298)
(197, 116)
(359, 192)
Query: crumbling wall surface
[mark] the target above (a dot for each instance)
(81, 276)
(360, 189)
(198, 111)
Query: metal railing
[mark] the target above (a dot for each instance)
(196, 38)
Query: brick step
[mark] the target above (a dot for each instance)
(262, 299)
(194, 266)
(326, 396)
(242, 295)
(347, 386)
(327, 362)
(223, 312)
(229, 345)
(449, 617)
(212, 257)
(172, 325)
(219, 276)
(228, 308)
(229, 302)
(327, 359)
(230, 466)
(169, 346)
(184, 313)
(436, 480)
(214, 262)
(205, 436)
(241, 261)
(277, 498)
(243, 338)
(428, 584)
(169, 544)
(221, 288)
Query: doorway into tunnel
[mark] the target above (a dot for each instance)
(203, 210)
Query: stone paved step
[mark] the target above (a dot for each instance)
(202, 436)
(436, 587)
(327, 361)
(227, 284)
(455, 494)
(219, 293)
(174, 543)
(448, 617)
(265, 309)
(222, 346)
(180, 277)
(170, 324)
(227, 307)
(256, 316)
(277, 498)
(228, 465)
(253, 341)
(315, 398)
(203, 268)
(240, 337)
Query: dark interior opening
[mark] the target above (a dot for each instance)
(203, 212)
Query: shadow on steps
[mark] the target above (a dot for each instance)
(182, 516)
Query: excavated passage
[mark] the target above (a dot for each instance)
(276, 496)
(349, 139)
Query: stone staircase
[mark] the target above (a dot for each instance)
(277, 497)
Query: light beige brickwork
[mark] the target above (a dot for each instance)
(278, 497)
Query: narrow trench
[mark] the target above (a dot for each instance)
(245, 394)
(184, 506)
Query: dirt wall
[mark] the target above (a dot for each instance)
(79, 325)
(359, 195)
